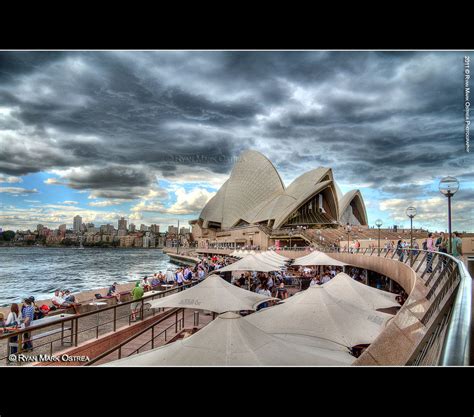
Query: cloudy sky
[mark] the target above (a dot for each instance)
(152, 135)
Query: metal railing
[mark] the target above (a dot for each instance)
(178, 325)
(448, 317)
(88, 332)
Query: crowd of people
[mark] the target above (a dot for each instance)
(22, 317)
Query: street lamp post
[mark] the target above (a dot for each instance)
(378, 223)
(348, 230)
(177, 246)
(411, 212)
(448, 186)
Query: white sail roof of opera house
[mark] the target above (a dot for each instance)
(255, 193)
(229, 340)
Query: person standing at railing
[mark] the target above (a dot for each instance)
(357, 246)
(137, 294)
(442, 243)
(13, 320)
(400, 250)
(430, 247)
(28, 313)
(416, 248)
(180, 278)
(456, 244)
(442, 246)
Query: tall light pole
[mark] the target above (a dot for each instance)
(411, 212)
(177, 235)
(379, 223)
(448, 186)
(348, 230)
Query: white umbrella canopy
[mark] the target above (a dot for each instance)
(318, 258)
(270, 260)
(273, 257)
(343, 287)
(213, 294)
(276, 255)
(229, 340)
(314, 312)
(251, 263)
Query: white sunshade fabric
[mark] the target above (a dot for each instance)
(272, 255)
(315, 312)
(270, 259)
(318, 258)
(213, 294)
(343, 287)
(230, 340)
(275, 255)
(251, 263)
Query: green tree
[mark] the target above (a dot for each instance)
(7, 235)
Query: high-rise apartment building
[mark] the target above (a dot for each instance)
(122, 224)
(77, 223)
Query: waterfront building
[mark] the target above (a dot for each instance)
(132, 228)
(45, 231)
(77, 223)
(144, 228)
(172, 230)
(122, 232)
(160, 240)
(184, 230)
(155, 228)
(39, 228)
(62, 229)
(122, 224)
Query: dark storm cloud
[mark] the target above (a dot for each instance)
(120, 118)
(14, 64)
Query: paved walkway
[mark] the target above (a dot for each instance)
(143, 342)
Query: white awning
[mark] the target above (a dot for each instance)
(344, 288)
(318, 258)
(213, 294)
(230, 340)
(315, 312)
(270, 259)
(274, 255)
(251, 263)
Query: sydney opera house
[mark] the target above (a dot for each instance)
(254, 204)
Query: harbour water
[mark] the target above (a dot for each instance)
(37, 271)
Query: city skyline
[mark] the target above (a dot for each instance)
(151, 136)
